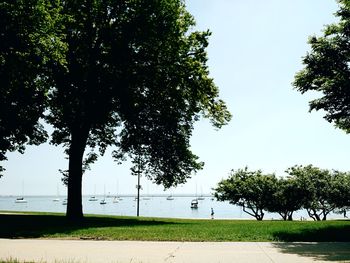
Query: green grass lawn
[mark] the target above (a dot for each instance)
(51, 225)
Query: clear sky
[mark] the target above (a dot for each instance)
(255, 50)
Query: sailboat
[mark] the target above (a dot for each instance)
(21, 199)
(103, 201)
(93, 198)
(117, 197)
(170, 197)
(194, 204)
(201, 197)
(57, 199)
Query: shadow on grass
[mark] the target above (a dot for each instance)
(319, 251)
(326, 233)
(35, 226)
(323, 243)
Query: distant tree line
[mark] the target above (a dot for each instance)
(318, 191)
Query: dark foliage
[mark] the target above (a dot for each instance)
(327, 70)
(29, 43)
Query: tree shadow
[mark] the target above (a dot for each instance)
(319, 251)
(327, 243)
(329, 233)
(36, 226)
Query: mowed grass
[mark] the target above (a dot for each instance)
(49, 225)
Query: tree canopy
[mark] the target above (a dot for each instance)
(327, 70)
(135, 77)
(319, 191)
(30, 40)
(318, 187)
(288, 197)
(252, 190)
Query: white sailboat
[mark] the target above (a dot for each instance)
(117, 197)
(201, 197)
(103, 201)
(21, 199)
(194, 204)
(170, 197)
(93, 198)
(57, 199)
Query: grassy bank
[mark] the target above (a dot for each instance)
(48, 225)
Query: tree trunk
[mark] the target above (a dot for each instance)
(259, 217)
(283, 215)
(76, 153)
(313, 214)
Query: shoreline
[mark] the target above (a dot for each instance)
(6, 212)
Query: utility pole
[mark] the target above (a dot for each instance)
(138, 191)
(138, 185)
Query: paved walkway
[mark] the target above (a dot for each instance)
(76, 251)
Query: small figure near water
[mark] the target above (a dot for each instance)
(212, 213)
(344, 213)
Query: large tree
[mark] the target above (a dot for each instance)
(136, 78)
(252, 190)
(288, 197)
(318, 187)
(30, 34)
(340, 192)
(327, 70)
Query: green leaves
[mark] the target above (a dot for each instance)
(327, 70)
(323, 190)
(30, 43)
(319, 191)
(129, 74)
(252, 190)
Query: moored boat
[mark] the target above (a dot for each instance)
(93, 198)
(170, 197)
(194, 204)
(20, 200)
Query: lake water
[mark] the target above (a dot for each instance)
(156, 206)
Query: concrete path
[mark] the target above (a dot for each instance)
(76, 251)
